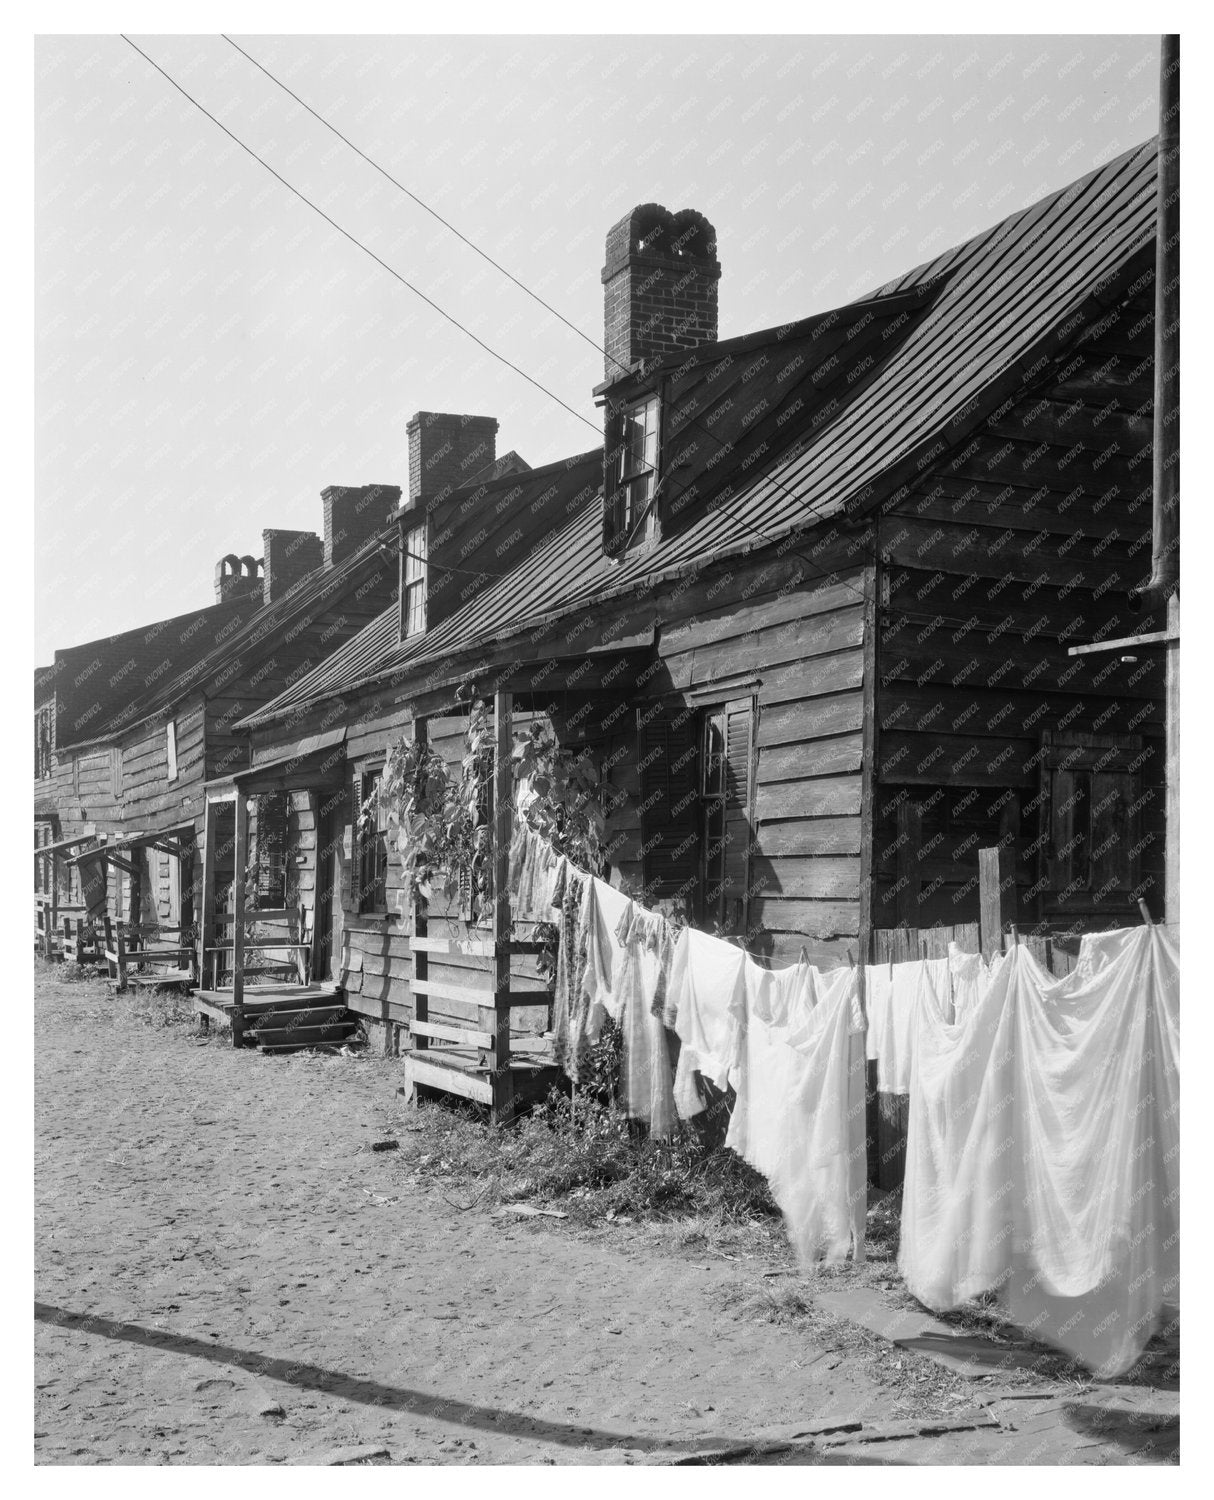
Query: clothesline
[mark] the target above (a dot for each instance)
(789, 1042)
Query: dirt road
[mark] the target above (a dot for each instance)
(215, 1236)
(227, 1273)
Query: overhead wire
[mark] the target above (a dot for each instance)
(354, 240)
(522, 286)
(749, 526)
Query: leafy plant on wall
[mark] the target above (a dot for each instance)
(440, 826)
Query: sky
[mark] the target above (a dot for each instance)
(211, 353)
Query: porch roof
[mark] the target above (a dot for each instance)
(313, 762)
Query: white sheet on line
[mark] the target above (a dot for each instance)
(893, 995)
(1043, 1149)
(799, 1114)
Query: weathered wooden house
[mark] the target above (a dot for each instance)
(812, 620)
(138, 722)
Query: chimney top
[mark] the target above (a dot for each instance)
(237, 577)
(447, 450)
(660, 286)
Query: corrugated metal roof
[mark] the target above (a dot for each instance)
(992, 300)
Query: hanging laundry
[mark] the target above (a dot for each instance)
(646, 1076)
(969, 978)
(533, 863)
(799, 1117)
(1043, 1149)
(569, 1009)
(706, 1007)
(893, 995)
(602, 914)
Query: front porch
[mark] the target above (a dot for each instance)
(260, 966)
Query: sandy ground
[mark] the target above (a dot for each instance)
(215, 1236)
(227, 1273)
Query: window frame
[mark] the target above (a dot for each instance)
(415, 555)
(170, 748)
(365, 843)
(733, 801)
(44, 742)
(625, 512)
(274, 895)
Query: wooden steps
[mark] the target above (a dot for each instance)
(164, 976)
(467, 1072)
(281, 1018)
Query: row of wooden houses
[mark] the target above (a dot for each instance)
(825, 611)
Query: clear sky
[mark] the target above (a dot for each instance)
(211, 354)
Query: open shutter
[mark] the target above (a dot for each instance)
(739, 780)
(669, 804)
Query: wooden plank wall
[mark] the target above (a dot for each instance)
(801, 635)
(1028, 540)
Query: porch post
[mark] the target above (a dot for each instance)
(206, 921)
(242, 859)
(503, 808)
(421, 970)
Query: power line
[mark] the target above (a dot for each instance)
(535, 297)
(721, 443)
(421, 203)
(357, 242)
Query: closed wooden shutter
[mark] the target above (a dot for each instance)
(668, 756)
(272, 811)
(725, 797)
(1090, 857)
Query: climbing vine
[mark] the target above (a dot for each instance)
(442, 826)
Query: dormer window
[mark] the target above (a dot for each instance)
(413, 587)
(632, 476)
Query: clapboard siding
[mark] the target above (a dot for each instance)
(1030, 540)
(150, 800)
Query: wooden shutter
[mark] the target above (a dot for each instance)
(668, 758)
(739, 779)
(272, 812)
(1089, 856)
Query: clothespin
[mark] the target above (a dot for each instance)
(851, 958)
(803, 956)
(1015, 935)
(1146, 915)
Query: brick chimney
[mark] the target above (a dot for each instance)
(237, 578)
(659, 286)
(289, 556)
(447, 450)
(353, 515)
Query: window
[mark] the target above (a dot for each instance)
(695, 809)
(1090, 846)
(725, 814)
(170, 747)
(44, 864)
(372, 892)
(270, 850)
(413, 589)
(632, 472)
(44, 741)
